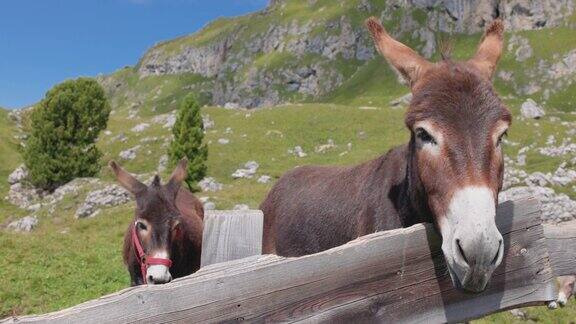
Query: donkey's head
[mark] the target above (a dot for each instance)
(457, 123)
(157, 219)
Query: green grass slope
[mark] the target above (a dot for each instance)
(9, 160)
(68, 261)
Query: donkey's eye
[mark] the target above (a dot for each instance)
(141, 226)
(424, 136)
(501, 138)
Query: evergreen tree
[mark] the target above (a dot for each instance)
(63, 129)
(188, 135)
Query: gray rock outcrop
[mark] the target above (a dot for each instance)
(530, 109)
(241, 207)
(18, 175)
(247, 172)
(129, 154)
(243, 66)
(264, 179)
(556, 208)
(210, 184)
(112, 195)
(25, 224)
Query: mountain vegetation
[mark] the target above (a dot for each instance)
(297, 83)
(188, 132)
(64, 127)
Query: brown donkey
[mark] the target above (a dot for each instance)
(449, 173)
(164, 240)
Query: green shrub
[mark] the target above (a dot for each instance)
(188, 135)
(63, 130)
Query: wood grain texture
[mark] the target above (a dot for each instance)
(231, 234)
(561, 242)
(394, 276)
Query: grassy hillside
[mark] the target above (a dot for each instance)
(8, 146)
(9, 160)
(66, 261)
(82, 260)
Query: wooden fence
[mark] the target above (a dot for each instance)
(394, 276)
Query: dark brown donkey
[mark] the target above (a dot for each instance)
(168, 226)
(449, 173)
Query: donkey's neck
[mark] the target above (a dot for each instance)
(405, 191)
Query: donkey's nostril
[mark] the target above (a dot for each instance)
(461, 251)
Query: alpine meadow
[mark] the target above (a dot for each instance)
(297, 83)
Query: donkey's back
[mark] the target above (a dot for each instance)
(313, 208)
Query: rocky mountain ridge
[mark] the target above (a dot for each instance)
(305, 50)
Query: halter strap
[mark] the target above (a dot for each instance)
(143, 260)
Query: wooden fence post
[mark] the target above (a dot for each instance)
(231, 235)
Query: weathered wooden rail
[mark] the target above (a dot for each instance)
(395, 276)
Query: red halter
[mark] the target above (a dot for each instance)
(143, 260)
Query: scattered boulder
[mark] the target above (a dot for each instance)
(210, 184)
(523, 48)
(556, 208)
(163, 163)
(522, 315)
(537, 179)
(27, 197)
(231, 105)
(209, 205)
(521, 159)
(241, 207)
(119, 138)
(563, 176)
(325, 147)
(247, 172)
(25, 224)
(18, 175)
(71, 188)
(566, 67)
(551, 140)
(562, 149)
(530, 109)
(264, 179)
(140, 127)
(23, 196)
(223, 141)
(506, 75)
(149, 139)
(298, 151)
(168, 120)
(129, 154)
(112, 195)
(207, 122)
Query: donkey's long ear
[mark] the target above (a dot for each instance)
(126, 179)
(178, 176)
(411, 65)
(490, 49)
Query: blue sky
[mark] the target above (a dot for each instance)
(43, 42)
